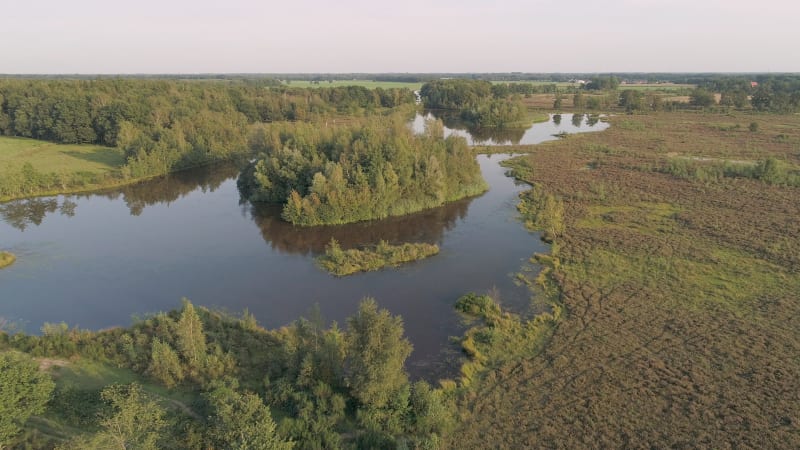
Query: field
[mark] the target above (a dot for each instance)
(63, 158)
(369, 84)
(680, 293)
(29, 167)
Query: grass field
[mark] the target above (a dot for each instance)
(369, 84)
(57, 168)
(64, 158)
(681, 297)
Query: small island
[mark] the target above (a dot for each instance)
(346, 262)
(6, 259)
(357, 172)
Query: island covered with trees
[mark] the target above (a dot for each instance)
(364, 171)
(478, 102)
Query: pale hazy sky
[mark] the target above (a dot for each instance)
(239, 36)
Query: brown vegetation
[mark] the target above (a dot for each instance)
(681, 297)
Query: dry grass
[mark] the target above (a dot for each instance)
(681, 298)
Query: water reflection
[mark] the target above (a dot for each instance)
(534, 134)
(170, 188)
(23, 213)
(425, 226)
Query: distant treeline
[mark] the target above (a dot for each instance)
(480, 102)
(352, 173)
(167, 125)
(780, 94)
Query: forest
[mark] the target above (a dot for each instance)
(162, 126)
(202, 379)
(343, 174)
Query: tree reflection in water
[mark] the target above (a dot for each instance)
(425, 226)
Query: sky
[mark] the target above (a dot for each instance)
(314, 36)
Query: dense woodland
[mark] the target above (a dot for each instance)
(480, 103)
(359, 172)
(304, 386)
(160, 125)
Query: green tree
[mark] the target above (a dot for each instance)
(429, 417)
(761, 99)
(702, 97)
(376, 352)
(134, 421)
(557, 101)
(632, 100)
(578, 101)
(241, 421)
(191, 340)
(165, 365)
(24, 391)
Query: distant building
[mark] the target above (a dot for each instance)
(754, 84)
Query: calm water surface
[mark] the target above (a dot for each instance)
(536, 133)
(96, 260)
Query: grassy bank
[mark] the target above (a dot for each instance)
(31, 167)
(346, 262)
(679, 295)
(6, 259)
(532, 118)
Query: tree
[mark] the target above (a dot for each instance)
(24, 391)
(578, 101)
(165, 365)
(557, 101)
(761, 99)
(376, 352)
(701, 97)
(429, 417)
(191, 340)
(241, 421)
(134, 422)
(632, 100)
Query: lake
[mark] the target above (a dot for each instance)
(96, 260)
